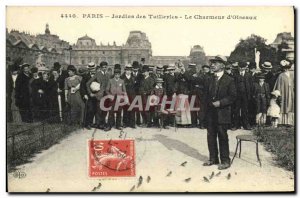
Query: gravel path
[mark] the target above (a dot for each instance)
(63, 167)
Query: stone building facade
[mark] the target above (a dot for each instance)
(86, 50)
(45, 49)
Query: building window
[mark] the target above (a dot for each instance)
(82, 62)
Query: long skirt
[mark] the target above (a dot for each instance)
(183, 112)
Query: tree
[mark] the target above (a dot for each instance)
(245, 50)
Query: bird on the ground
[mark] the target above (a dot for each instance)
(183, 164)
(235, 173)
(140, 181)
(188, 179)
(212, 175)
(228, 176)
(148, 179)
(48, 190)
(219, 173)
(169, 174)
(132, 188)
(99, 185)
(94, 189)
(205, 179)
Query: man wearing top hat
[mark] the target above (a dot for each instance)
(115, 87)
(102, 77)
(221, 93)
(129, 80)
(90, 102)
(243, 87)
(146, 87)
(138, 77)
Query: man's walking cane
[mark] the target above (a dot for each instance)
(59, 107)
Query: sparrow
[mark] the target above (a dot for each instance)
(132, 188)
(188, 179)
(140, 181)
(228, 176)
(183, 164)
(205, 179)
(148, 179)
(212, 175)
(169, 174)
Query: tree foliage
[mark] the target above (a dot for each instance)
(245, 50)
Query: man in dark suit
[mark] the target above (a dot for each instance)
(169, 84)
(204, 78)
(90, 102)
(221, 93)
(138, 77)
(63, 74)
(194, 92)
(243, 87)
(251, 105)
(145, 90)
(23, 93)
(129, 116)
(102, 77)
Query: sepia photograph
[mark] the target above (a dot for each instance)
(147, 99)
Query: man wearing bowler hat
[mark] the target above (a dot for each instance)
(146, 87)
(138, 77)
(243, 87)
(115, 87)
(129, 116)
(221, 93)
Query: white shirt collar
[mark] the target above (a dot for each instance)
(219, 74)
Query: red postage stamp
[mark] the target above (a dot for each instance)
(111, 158)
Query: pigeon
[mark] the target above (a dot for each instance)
(183, 164)
(99, 185)
(218, 174)
(48, 190)
(140, 181)
(188, 179)
(169, 174)
(94, 189)
(205, 179)
(132, 188)
(212, 175)
(148, 179)
(228, 176)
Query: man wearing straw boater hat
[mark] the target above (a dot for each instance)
(101, 77)
(90, 102)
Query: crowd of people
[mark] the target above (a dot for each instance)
(221, 96)
(262, 97)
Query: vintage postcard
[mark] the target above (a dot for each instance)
(150, 99)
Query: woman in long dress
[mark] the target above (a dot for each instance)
(73, 97)
(285, 84)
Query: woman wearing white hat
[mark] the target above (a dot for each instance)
(285, 85)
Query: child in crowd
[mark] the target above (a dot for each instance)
(274, 109)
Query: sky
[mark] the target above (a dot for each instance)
(169, 37)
